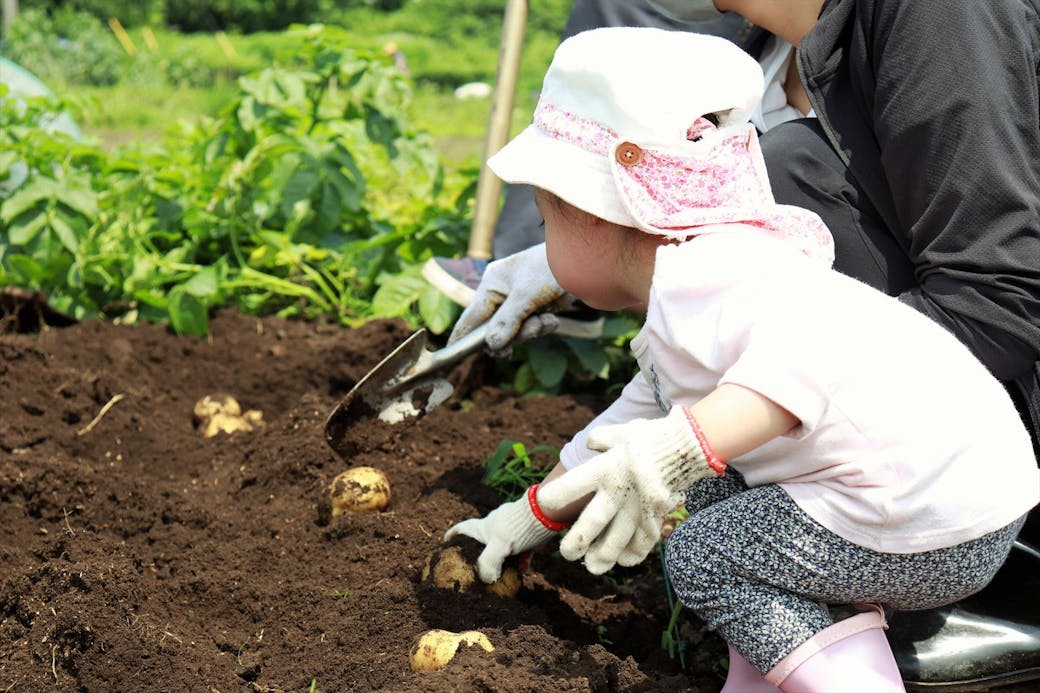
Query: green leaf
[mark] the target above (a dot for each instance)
(619, 325)
(349, 193)
(78, 195)
(249, 113)
(26, 226)
(437, 311)
(330, 207)
(382, 130)
(28, 272)
(299, 187)
(65, 233)
(525, 380)
(590, 355)
(396, 294)
(203, 284)
(188, 315)
(27, 196)
(548, 363)
(215, 148)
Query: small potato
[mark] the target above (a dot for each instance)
(449, 568)
(507, 585)
(211, 405)
(224, 423)
(435, 648)
(359, 490)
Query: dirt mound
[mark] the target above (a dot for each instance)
(137, 555)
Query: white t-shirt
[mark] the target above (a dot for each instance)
(773, 109)
(906, 442)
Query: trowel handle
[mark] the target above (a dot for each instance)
(457, 350)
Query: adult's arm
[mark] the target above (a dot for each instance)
(956, 115)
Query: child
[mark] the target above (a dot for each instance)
(834, 446)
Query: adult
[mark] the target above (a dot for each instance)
(924, 161)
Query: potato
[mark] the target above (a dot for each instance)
(435, 648)
(507, 585)
(224, 423)
(448, 567)
(221, 413)
(211, 405)
(359, 490)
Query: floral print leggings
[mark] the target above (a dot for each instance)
(759, 570)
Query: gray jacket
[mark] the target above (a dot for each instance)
(934, 106)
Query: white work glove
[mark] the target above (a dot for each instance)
(518, 294)
(508, 530)
(645, 466)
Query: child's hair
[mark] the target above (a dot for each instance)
(577, 217)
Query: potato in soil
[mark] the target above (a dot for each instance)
(435, 648)
(453, 566)
(212, 405)
(221, 413)
(359, 490)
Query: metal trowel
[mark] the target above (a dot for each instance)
(402, 385)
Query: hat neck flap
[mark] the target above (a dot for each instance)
(716, 177)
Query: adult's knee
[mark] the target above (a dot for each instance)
(803, 168)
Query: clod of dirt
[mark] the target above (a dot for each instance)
(359, 490)
(453, 567)
(435, 648)
(221, 413)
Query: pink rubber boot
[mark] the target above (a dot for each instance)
(744, 678)
(851, 656)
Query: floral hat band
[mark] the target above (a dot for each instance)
(716, 176)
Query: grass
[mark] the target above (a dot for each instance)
(124, 113)
(142, 108)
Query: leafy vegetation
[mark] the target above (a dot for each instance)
(270, 206)
(511, 469)
(173, 76)
(289, 175)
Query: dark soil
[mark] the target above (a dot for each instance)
(137, 555)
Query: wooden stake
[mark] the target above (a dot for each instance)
(225, 45)
(124, 38)
(149, 39)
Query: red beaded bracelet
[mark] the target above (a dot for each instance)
(713, 460)
(532, 500)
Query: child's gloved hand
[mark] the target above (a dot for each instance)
(508, 530)
(639, 478)
(511, 292)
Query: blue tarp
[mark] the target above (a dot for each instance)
(25, 84)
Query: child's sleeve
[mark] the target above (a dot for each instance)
(789, 360)
(636, 402)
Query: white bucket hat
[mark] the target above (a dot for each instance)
(648, 128)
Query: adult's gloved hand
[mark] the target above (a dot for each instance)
(518, 294)
(508, 530)
(645, 466)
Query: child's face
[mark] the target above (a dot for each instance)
(587, 256)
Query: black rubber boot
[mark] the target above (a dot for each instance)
(990, 639)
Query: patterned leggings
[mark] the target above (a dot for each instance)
(759, 570)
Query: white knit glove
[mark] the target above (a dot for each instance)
(511, 292)
(645, 466)
(508, 530)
